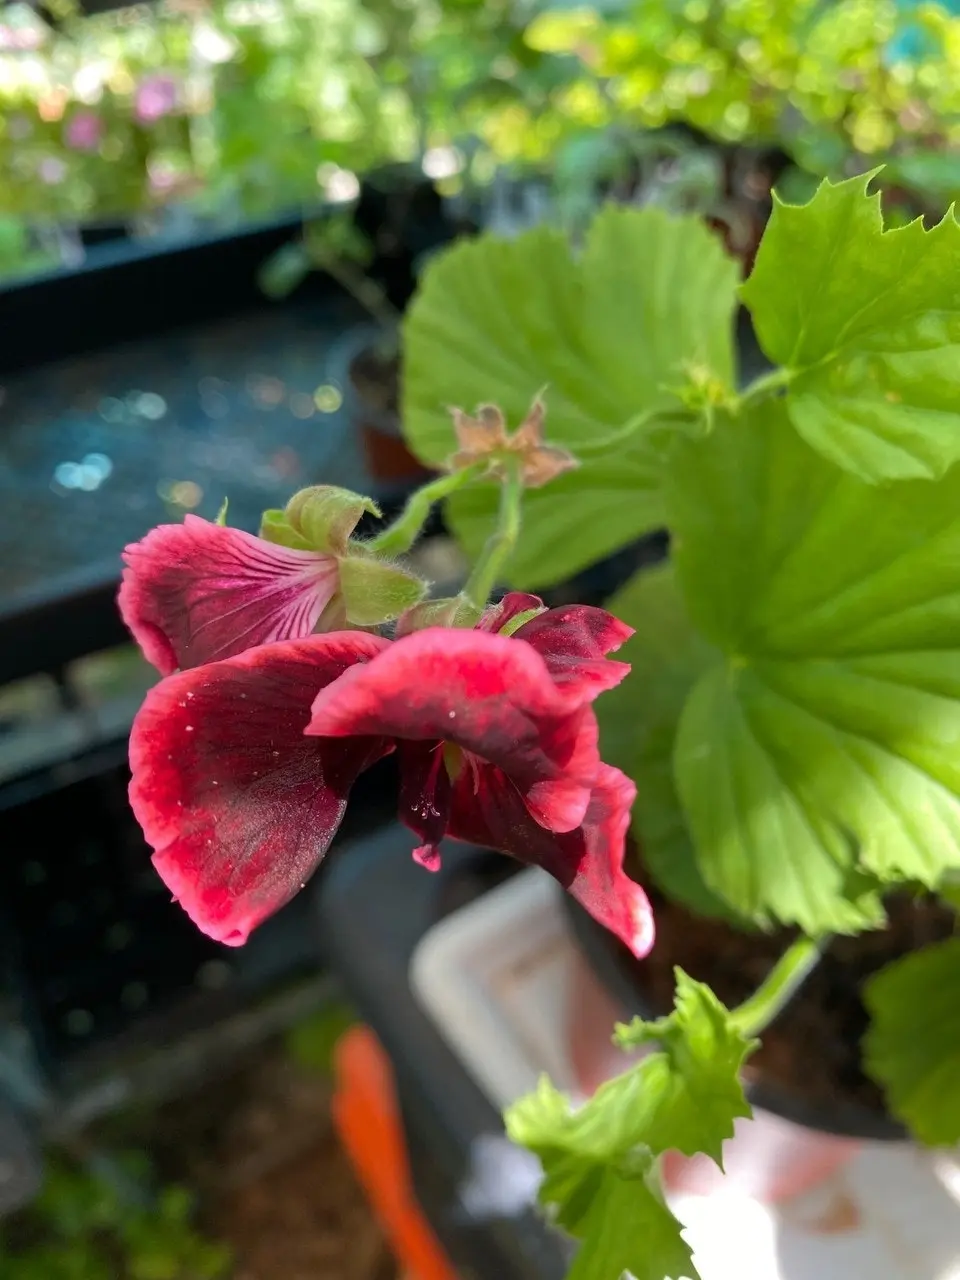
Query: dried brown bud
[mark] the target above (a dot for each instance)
(485, 436)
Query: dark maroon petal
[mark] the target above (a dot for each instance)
(425, 796)
(488, 694)
(237, 804)
(573, 642)
(513, 604)
(588, 862)
(196, 592)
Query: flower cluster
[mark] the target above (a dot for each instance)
(277, 696)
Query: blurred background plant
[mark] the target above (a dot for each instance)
(239, 107)
(219, 111)
(104, 1222)
(829, 85)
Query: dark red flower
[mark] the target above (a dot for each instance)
(196, 592)
(238, 805)
(241, 768)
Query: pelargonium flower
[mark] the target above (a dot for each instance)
(242, 767)
(197, 592)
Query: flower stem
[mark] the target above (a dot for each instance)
(779, 987)
(501, 542)
(767, 384)
(628, 430)
(403, 533)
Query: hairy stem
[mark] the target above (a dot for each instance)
(501, 542)
(403, 533)
(629, 429)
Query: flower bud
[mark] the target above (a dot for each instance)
(320, 518)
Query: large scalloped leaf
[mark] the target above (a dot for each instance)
(824, 754)
(867, 322)
(913, 1045)
(610, 333)
(638, 727)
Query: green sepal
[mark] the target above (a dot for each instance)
(519, 620)
(326, 516)
(320, 518)
(275, 528)
(375, 591)
(221, 518)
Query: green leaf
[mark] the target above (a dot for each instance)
(912, 1047)
(612, 333)
(629, 1229)
(599, 1161)
(818, 758)
(869, 326)
(638, 728)
(691, 1089)
(948, 890)
(287, 267)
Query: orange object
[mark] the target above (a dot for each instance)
(367, 1120)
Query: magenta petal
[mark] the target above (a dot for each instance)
(500, 615)
(488, 694)
(198, 592)
(237, 804)
(573, 642)
(588, 862)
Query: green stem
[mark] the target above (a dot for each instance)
(629, 429)
(403, 533)
(501, 542)
(766, 385)
(779, 987)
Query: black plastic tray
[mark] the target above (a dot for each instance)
(157, 379)
(91, 941)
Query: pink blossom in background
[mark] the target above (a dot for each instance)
(83, 131)
(156, 97)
